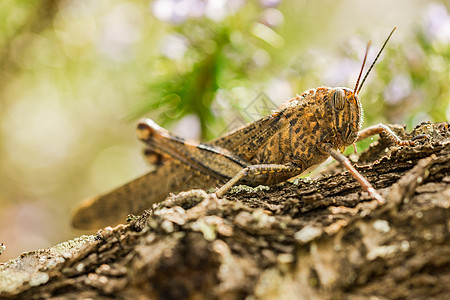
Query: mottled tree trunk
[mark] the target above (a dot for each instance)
(314, 239)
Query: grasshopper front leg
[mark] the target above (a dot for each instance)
(381, 128)
(363, 134)
(345, 162)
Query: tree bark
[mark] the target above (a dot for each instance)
(311, 239)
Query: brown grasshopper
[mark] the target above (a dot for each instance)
(301, 134)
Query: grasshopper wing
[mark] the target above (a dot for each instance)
(137, 195)
(246, 141)
(171, 176)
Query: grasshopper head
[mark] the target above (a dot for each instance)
(346, 111)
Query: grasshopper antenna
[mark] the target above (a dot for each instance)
(362, 67)
(376, 58)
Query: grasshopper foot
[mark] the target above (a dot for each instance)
(374, 194)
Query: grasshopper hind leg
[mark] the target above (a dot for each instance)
(153, 157)
(261, 174)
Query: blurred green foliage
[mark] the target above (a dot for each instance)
(201, 56)
(414, 79)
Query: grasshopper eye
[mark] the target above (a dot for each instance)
(339, 99)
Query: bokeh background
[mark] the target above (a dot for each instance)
(76, 75)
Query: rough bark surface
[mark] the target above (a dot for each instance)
(313, 239)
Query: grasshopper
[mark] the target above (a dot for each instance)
(301, 134)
